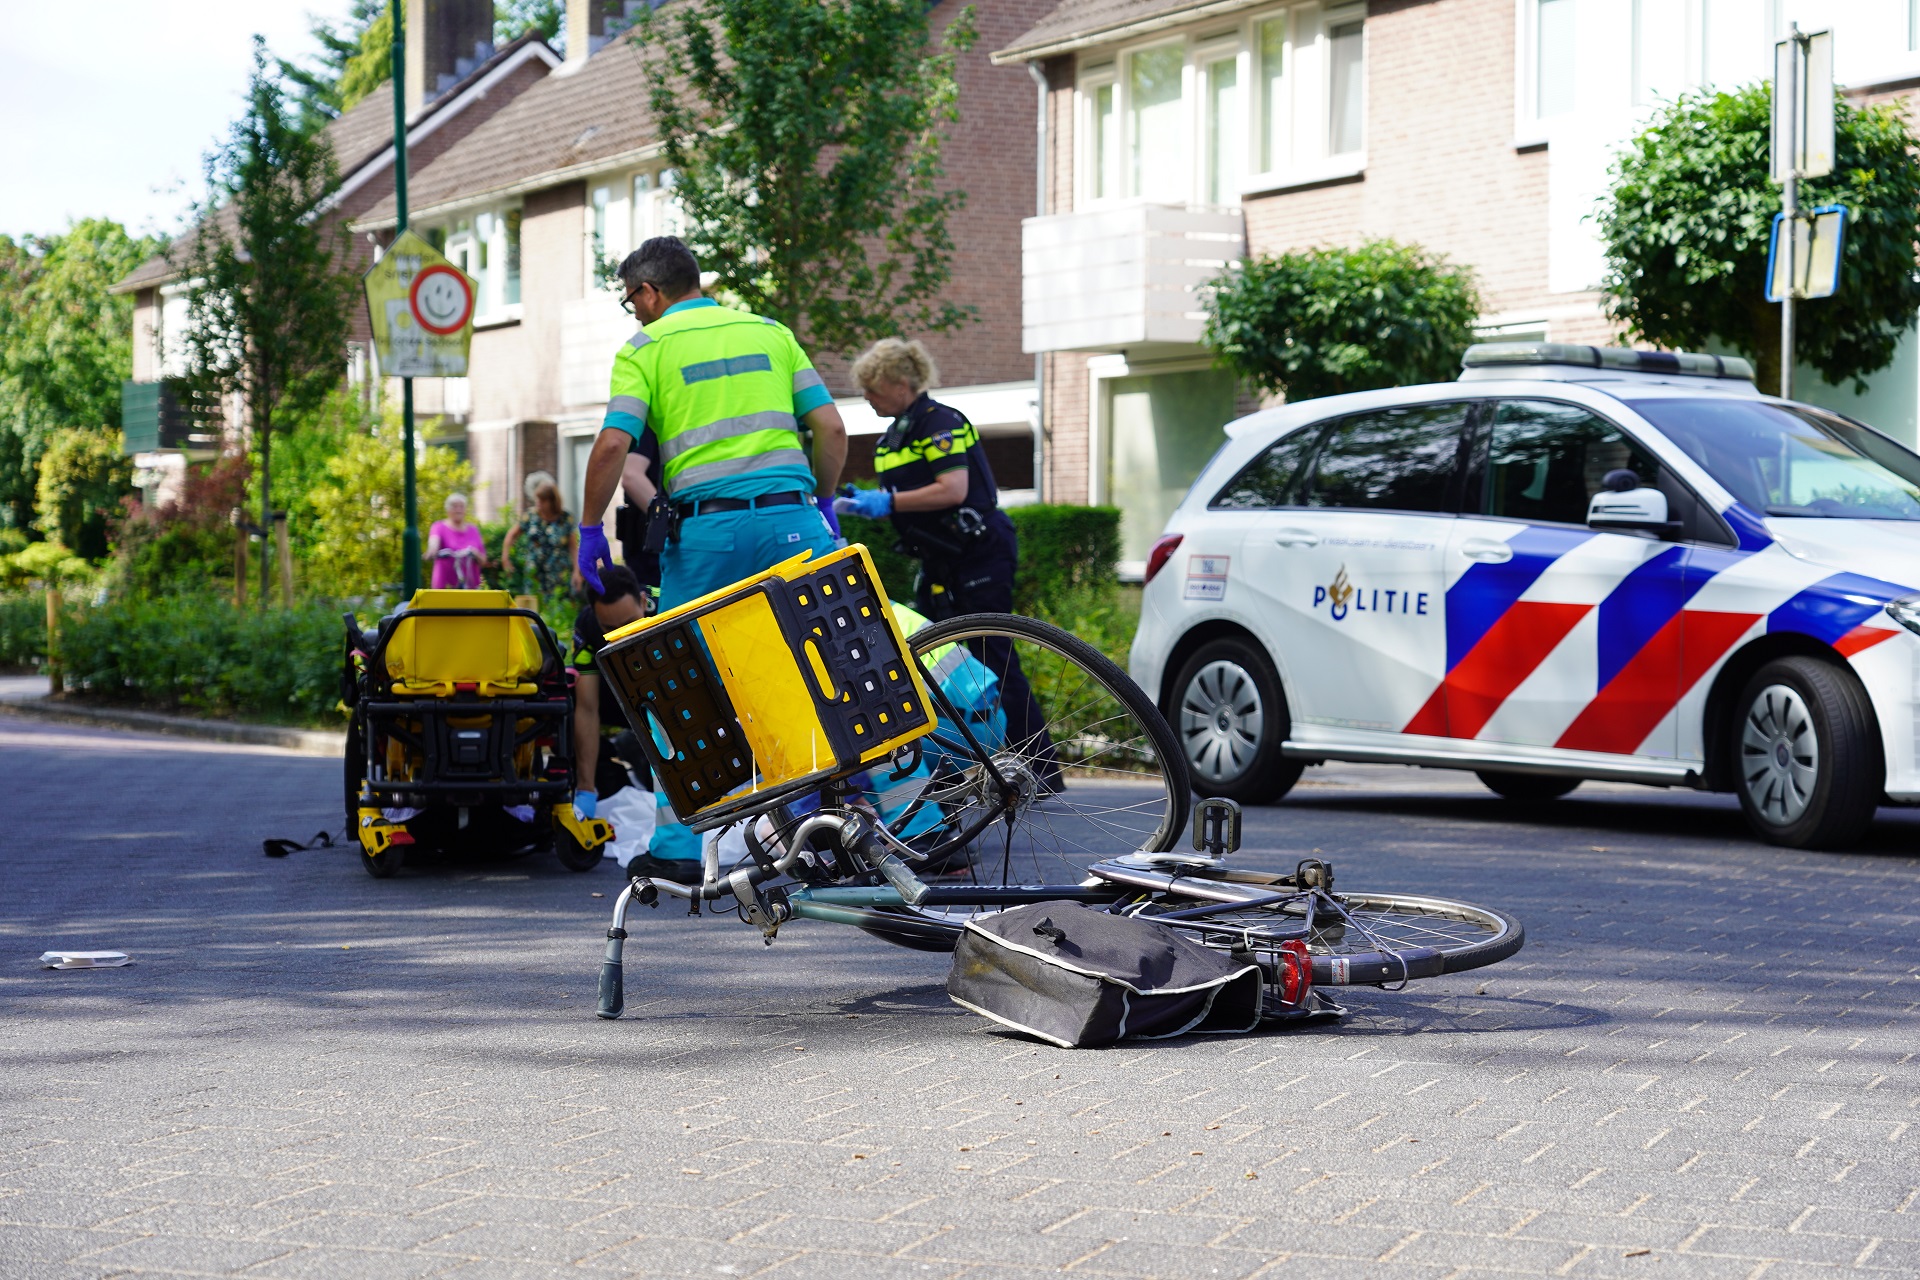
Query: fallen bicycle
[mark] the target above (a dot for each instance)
(908, 786)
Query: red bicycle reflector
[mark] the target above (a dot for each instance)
(1163, 548)
(1294, 967)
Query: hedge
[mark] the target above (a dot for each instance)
(23, 629)
(1065, 552)
(201, 654)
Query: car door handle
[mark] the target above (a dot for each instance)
(1297, 538)
(1486, 550)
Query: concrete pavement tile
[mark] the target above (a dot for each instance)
(25, 1249)
(1156, 1259)
(185, 1253)
(1160, 1228)
(332, 1262)
(977, 1244)
(536, 1210)
(387, 1231)
(1276, 1235)
(525, 1242)
(68, 1209)
(656, 1256)
(1535, 1257)
(834, 1235)
(1795, 1246)
(1600, 1229)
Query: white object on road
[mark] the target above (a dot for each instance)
(84, 959)
(631, 810)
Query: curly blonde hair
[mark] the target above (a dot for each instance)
(896, 360)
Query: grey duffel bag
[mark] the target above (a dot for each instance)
(1081, 978)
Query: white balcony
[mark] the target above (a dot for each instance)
(1122, 276)
(591, 331)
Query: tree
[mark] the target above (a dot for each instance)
(356, 57)
(1323, 321)
(806, 136)
(65, 344)
(359, 510)
(1687, 222)
(514, 18)
(268, 298)
(83, 476)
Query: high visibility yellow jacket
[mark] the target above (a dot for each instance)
(722, 391)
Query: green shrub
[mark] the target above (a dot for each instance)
(83, 476)
(201, 654)
(185, 546)
(1064, 551)
(23, 630)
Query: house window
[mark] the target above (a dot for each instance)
(1281, 95)
(1269, 52)
(1103, 127)
(487, 248)
(601, 197)
(1346, 112)
(1155, 118)
(510, 221)
(1226, 133)
(1553, 60)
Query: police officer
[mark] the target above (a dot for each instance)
(724, 393)
(936, 484)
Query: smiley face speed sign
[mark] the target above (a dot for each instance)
(441, 299)
(421, 307)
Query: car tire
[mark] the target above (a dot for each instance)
(1230, 715)
(1526, 786)
(1806, 754)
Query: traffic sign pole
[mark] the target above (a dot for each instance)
(1789, 85)
(410, 539)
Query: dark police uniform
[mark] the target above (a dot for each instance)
(967, 554)
(619, 746)
(630, 523)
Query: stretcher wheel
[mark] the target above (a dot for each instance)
(572, 855)
(387, 864)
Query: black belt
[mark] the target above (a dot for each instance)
(714, 506)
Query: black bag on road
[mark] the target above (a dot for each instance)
(1081, 978)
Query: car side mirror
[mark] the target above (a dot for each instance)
(1639, 508)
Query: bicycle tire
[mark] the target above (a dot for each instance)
(1083, 690)
(1440, 936)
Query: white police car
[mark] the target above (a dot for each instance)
(1573, 563)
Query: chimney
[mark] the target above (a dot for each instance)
(588, 23)
(446, 39)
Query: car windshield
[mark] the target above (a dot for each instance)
(1789, 460)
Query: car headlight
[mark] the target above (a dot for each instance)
(1906, 612)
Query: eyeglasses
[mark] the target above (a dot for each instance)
(626, 303)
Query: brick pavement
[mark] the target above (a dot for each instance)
(1701, 1066)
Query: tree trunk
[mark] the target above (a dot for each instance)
(263, 423)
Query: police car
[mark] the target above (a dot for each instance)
(1573, 563)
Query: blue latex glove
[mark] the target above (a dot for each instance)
(829, 514)
(593, 554)
(585, 804)
(871, 503)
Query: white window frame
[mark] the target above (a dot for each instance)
(481, 236)
(1204, 55)
(1530, 128)
(1305, 153)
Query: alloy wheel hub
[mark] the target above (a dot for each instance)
(1779, 755)
(1220, 721)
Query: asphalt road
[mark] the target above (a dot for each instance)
(1703, 1064)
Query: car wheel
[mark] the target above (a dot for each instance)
(1231, 718)
(1807, 755)
(1526, 786)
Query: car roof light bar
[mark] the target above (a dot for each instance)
(1692, 364)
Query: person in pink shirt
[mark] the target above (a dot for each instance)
(455, 548)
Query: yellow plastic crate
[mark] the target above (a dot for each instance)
(770, 687)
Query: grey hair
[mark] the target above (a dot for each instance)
(453, 498)
(665, 263)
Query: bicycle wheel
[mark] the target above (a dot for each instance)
(1047, 759)
(1372, 939)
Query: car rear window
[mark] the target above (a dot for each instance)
(1267, 481)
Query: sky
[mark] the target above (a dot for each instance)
(107, 106)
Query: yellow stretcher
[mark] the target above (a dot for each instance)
(461, 733)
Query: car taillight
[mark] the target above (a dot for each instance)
(1163, 549)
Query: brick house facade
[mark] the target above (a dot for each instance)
(570, 175)
(1182, 134)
